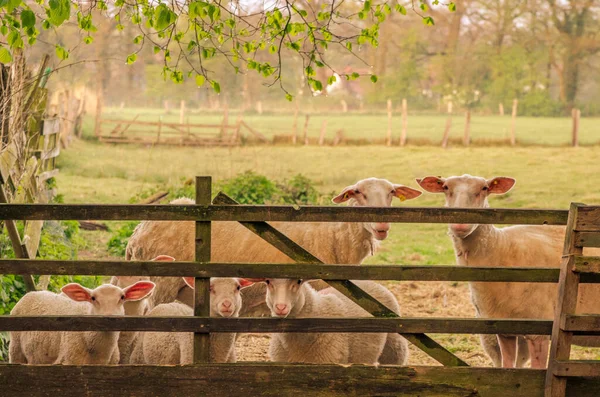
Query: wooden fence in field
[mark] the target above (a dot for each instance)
(455, 378)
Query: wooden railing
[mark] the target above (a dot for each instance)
(275, 379)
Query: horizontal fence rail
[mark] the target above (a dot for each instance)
(405, 325)
(257, 213)
(284, 270)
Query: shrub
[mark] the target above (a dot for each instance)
(250, 188)
(118, 242)
(298, 190)
(539, 104)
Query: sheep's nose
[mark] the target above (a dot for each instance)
(383, 227)
(281, 307)
(226, 304)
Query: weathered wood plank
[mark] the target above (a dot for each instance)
(254, 213)
(202, 285)
(588, 219)
(31, 237)
(8, 158)
(581, 324)
(577, 369)
(349, 289)
(587, 239)
(137, 122)
(51, 126)
(275, 380)
(278, 270)
(405, 325)
(44, 176)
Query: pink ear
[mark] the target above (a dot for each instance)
(432, 184)
(345, 195)
(139, 290)
(501, 184)
(245, 282)
(406, 193)
(190, 281)
(164, 258)
(77, 292)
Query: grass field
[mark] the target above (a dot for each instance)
(546, 178)
(529, 130)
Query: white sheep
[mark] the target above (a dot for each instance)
(68, 347)
(514, 246)
(331, 242)
(297, 299)
(172, 348)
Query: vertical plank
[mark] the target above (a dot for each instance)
(467, 137)
(513, 124)
(575, 114)
(202, 285)
(307, 118)
(501, 109)
(225, 120)
(388, 141)
(568, 286)
(404, 122)
(323, 131)
(182, 111)
(295, 127)
(345, 106)
(447, 131)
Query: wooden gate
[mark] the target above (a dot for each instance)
(455, 378)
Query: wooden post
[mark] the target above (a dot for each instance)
(450, 107)
(323, 130)
(501, 109)
(404, 122)
(467, 137)
(166, 103)
(513, 124)
(388, 141)
(447, 131)
(575, 115)
(344, 106)
(225, 120)
(259, 108)
(159, 128)
(182, 112)
(98, 125)
(295, 127)
(238, 127)
(202, 285)
(306, 129)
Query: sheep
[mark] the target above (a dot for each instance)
(137, 308)
(331, 242)
(76, 348)
(514, 246)
(176, 348)
(297, 299)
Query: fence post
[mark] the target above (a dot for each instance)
(575, 115)
(513, 125)
(501, 109)
(98, 124)
(467, 137)
(323, 130)
(202, 285)
(344, 106)
(306, 129)
(225, 120)
(404, 122)
(295, 127)
(388, 141)
(448, 125)
(182, 111)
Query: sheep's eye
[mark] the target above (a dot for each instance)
(299, 282)
(268, 282)
(239, 287)
(93, 298)
(485, 188)
(122, 297)
(393, 192)
(357, 191)
(445, 187)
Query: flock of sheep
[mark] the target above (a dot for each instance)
(335, 243)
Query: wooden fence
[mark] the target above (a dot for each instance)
(455, 378)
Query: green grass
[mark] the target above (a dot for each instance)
(529, 130)
(546, 177)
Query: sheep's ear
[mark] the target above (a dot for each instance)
(164, 258)
(245, 282)
(345, 195)
(77, 292)
(501, 184)
(432, 184)
(190, 282)
(139, 290)
(406, 193)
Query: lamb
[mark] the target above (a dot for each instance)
(176, 348)
(297, 299)
(331, 242)
(137, 308)
(514, 246)
(76, 348)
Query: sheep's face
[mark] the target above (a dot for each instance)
(283, 295)
(375, 192)
(225, 295)
(108, 299)
(466, 192)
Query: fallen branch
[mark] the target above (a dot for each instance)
(154, 198)
(89, 225)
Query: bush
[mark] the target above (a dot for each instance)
(118, 242)
(539, 104)
(298, 190)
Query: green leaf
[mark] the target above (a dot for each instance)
(3, 30)
(200, 79)
(349, 46)
(61, 53)
(452, 7)
(273, 49)
(131, 58)
(318, 85)
(163, 17)
(14, 39)
(46, 24)
(289, 97)
(367, 5)
(424, 7)
(400, 8)
(156, 49)
(331, 80)
(88, 40)
(138, 39)
(216, 87)
(374, 78)
(354, 76)
(120, 27)
(27, 18)
(5, 55)
(59, 11)
(428, 21)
